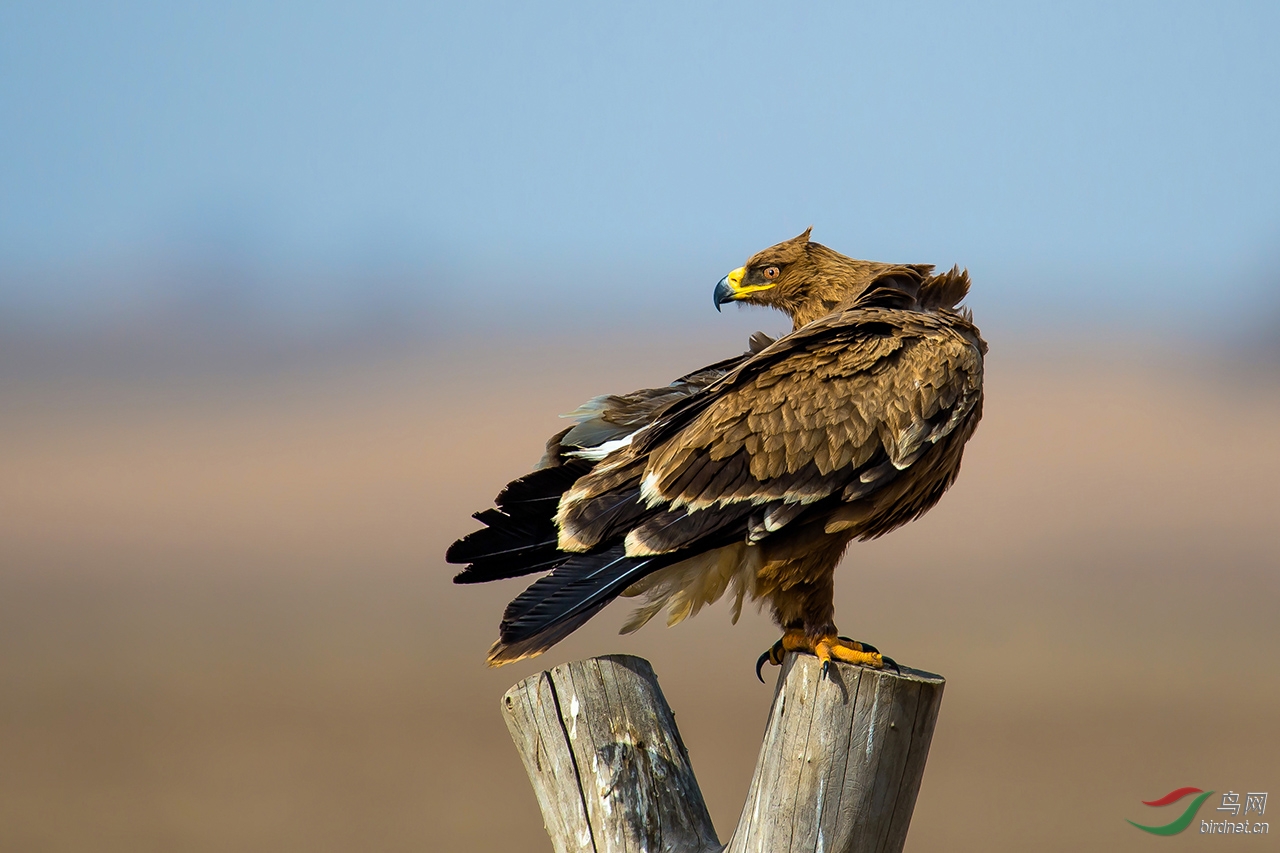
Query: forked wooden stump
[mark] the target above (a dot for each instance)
(839, 769)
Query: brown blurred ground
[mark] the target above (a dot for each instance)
(225, 623)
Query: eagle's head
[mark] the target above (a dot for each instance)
(803, 279)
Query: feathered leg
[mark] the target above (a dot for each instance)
(802, 592)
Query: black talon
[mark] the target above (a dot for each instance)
(774, 656)
(826, 668)
(888, 661)
(760, 664)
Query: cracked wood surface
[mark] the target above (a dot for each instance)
(842, 760)
(838, 772)
(606, 761)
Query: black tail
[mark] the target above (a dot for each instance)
(519, 537)
(555, 606)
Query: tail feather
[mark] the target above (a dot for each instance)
(525, 562)
(542, 486)
(556, 605)
(519, 537)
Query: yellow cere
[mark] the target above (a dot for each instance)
(735, 284)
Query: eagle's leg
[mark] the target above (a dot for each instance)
(802, 592)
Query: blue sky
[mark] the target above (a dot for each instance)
(1079, 158)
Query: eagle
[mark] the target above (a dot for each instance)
(750, 476)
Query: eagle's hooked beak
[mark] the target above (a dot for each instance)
(728, 288)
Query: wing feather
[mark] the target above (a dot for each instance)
(879, 382)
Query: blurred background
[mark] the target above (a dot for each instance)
(287, 291)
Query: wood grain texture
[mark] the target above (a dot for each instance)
(842, 760)
(606, 761)
(839, 770)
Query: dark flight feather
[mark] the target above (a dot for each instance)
(675, 530)
(519, 537)
(556, 605)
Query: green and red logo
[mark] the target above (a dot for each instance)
(1187, 816)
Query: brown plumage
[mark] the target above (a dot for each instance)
(752, 474)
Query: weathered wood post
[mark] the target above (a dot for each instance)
(606, 761)
(839, 769)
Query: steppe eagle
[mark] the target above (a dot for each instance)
(752, 475)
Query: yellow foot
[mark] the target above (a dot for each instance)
(825, 648)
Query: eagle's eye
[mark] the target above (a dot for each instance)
(771, 273)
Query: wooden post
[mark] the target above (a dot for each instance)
(842, 760)
(839, 769)
(606, 761)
